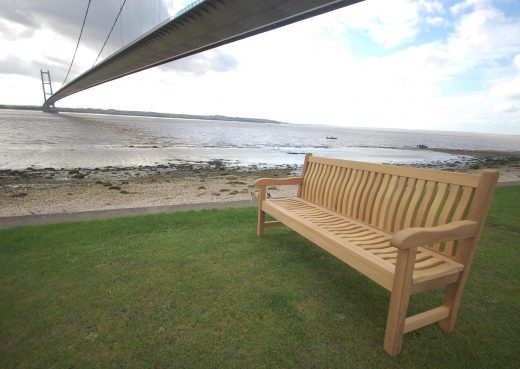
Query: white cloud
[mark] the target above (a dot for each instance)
(516, 61)
(431, 6)
(436, 21)
(389, 23)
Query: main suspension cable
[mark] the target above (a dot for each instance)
(109, 33)
(77, 45)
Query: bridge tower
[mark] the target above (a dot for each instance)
(47, 90)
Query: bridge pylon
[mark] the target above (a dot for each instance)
(47, 90)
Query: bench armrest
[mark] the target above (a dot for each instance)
(415, 237)
(279, 181)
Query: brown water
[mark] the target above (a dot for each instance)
(36, 139)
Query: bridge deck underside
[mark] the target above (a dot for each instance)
(207, 25)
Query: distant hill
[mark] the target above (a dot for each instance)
(142, 114)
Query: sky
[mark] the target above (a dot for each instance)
(411, 64)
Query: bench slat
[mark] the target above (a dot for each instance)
(462, 179)
(375, 269)
(403, 206)
(413, 207)
(393, 209)
(324, 224)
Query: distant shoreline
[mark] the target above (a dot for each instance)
(136, 113)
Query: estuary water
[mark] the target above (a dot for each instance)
(69, 140)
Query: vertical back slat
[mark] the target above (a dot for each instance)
(460, 213)
(418, 195)
(393, 208)
(322, 177)
(372, 195)
(361, 193)
(307, 179)
(314, 181)
(447, 210)
(322, 188)
(387, 199)
(353, 193)
(341, 189)
(366, 195)
(331, 186)
(378, 202)
(348, 187)
(424, 205)
(437, 205)
(404, 205)
(436, 209)
(335, 187)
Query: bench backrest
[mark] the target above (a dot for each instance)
(392, 198)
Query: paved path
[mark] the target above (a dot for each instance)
(7, 222)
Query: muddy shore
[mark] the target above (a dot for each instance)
(51, 191)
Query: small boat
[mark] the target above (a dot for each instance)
(331, 138)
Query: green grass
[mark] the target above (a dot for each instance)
(200, 290)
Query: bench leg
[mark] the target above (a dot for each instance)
(399, 301)
(261, 223)
(261, 215)
(452, 297)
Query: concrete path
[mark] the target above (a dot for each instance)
(8, 222)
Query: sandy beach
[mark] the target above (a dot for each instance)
(54, 191)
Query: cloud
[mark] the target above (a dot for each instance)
(60, 22)
(14, 65)
(199, 64)
(392, 23)
(13, 31)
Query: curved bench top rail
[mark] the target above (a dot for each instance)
(462, 179)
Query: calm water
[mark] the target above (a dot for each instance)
(85, 140)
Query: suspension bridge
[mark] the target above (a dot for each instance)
(199, 26)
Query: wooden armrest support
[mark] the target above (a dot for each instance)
(415, 237)
(279, 181)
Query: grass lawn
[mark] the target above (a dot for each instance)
(200, 290)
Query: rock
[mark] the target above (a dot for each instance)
(474, 166)
(124, 192)
(19, 194)
(114, 188)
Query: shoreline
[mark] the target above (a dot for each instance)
(53, 191)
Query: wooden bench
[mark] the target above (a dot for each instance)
(410, 230)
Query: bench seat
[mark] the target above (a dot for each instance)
(349, 239)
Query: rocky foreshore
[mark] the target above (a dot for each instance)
(50, 190)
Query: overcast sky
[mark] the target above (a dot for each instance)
(444, 65)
